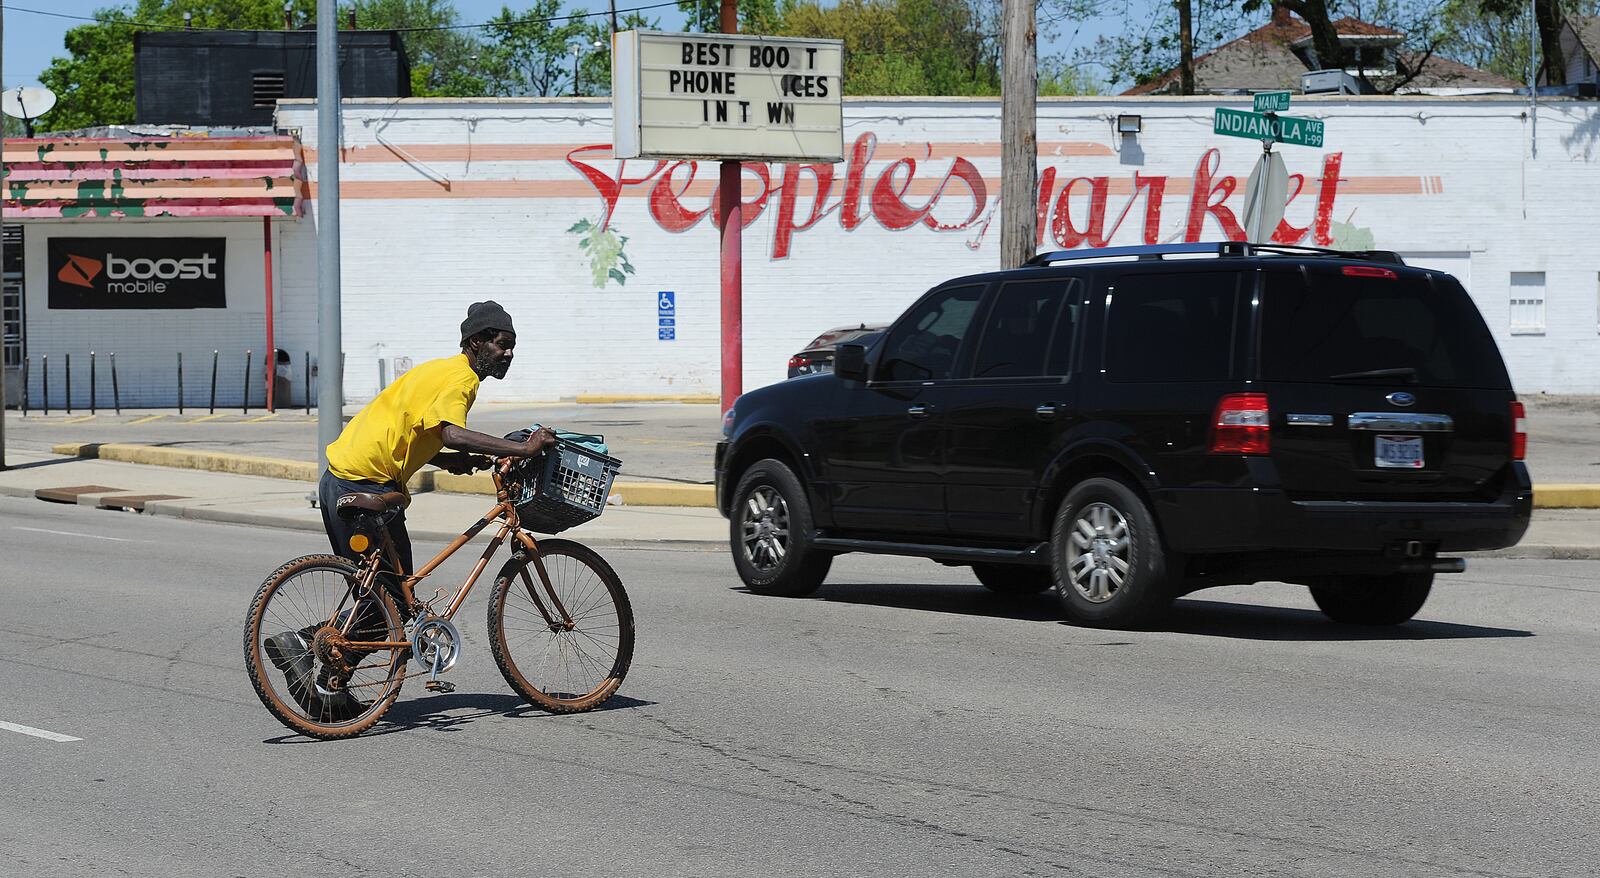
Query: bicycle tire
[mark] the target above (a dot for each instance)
(605, 625)
(299, 607)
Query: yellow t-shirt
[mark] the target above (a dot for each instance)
(403, 428)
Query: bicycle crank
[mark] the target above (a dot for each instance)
(436, 644)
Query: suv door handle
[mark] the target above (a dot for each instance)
(919, 411)
(1046, 412)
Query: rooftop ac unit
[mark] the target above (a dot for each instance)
(1325, 82)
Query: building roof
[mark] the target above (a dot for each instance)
(1587, 27)
(153, 176)
(1265, 59)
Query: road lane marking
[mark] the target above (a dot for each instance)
(38, 733)
(145, 420)
(78, 419)
(73, 533)
(204, 418)
(266, 417)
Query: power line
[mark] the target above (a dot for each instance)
(441, 27)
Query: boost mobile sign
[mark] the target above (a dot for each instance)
(142, 273)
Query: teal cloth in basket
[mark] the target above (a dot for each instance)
(592, 441)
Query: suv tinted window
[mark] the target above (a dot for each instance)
(1018, 329)
(1316, 325)
(1171, 327)
(923, 345)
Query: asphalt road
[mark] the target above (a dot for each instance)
(903, 723)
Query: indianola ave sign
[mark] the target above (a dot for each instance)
(1256, 126)
(724, 96)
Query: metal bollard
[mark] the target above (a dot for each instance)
(116, 392)
(25, 363)
(91, 383)
(308, 383)
(248, 355)
(180, 382)
(44, 385)
(213, 383)
(69, 384)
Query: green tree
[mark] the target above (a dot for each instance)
(596, 66)
(529, 53)
(94, 82)
(755, 16)
(904, 47)
(443, 62)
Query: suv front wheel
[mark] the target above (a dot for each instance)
(1111, 570)
(770, 533)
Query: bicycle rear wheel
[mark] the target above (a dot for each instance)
(564, 663)
(293, 653)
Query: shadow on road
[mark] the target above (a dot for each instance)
(1247, 622)
(39, 463)
(454, 711)
(966, 600)
(1187, 616)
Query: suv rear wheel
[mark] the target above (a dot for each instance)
(1013, 579)
(770, 533)
(1110, 567)
(1372, 600)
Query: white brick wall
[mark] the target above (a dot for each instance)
(450, 202)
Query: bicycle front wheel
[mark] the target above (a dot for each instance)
(296, 654)
(564, 647)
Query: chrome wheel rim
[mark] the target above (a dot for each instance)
(1098, 555)
(764, 529)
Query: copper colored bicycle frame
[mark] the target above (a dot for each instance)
(368, 570)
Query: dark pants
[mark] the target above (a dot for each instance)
(329, 490)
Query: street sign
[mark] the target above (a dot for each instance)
(666, 303)
(1255, 126)
(1272, 101)
(666, 333)
(1265, 196)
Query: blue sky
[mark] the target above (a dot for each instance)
(31, 39)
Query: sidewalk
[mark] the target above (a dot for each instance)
(284, 503)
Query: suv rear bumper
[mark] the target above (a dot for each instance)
(1245, 519)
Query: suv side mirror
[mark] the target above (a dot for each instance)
(850, 362)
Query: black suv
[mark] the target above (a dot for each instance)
(1125, 427)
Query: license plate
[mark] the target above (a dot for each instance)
(1401, 452)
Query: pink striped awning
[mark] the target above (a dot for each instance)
(153, 177)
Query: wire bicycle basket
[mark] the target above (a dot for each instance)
(564, 487)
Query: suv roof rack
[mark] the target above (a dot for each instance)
(1218, 248)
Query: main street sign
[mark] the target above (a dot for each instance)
(726, 96)
(1256, 126)
(1271, 101)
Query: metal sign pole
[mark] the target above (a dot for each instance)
(732, 212)
(330, 391)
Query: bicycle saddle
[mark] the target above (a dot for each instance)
(353, 505)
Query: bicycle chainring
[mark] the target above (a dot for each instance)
(435, 644)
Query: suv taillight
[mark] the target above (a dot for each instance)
(1519, 431)
(1370, 271)
(1241, 426)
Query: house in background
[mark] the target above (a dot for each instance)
(1278, 54)
(1580, 44)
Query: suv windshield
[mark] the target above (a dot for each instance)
(1326, 326)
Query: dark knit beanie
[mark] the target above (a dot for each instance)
(484, 315)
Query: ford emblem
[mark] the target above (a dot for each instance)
(1401, 398)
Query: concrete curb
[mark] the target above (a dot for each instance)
(612, 398)
(632, 493)
(1566, 496)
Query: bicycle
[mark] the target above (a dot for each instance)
(564, 647)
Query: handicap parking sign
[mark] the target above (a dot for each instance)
(667, 333)
(666, 303)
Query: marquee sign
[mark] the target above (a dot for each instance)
(726, 96)
(142, 273)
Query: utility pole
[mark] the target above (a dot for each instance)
(1019, 154)
(613, 17)
(330, 389)
(2, 264)
(1186, 46)
(730, 208)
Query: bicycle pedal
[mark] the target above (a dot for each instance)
(440, 686)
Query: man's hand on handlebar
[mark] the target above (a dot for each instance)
(538, 441)
(461, 463)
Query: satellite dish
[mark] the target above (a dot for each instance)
(27, 102)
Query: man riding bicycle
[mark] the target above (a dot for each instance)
(408, 425)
